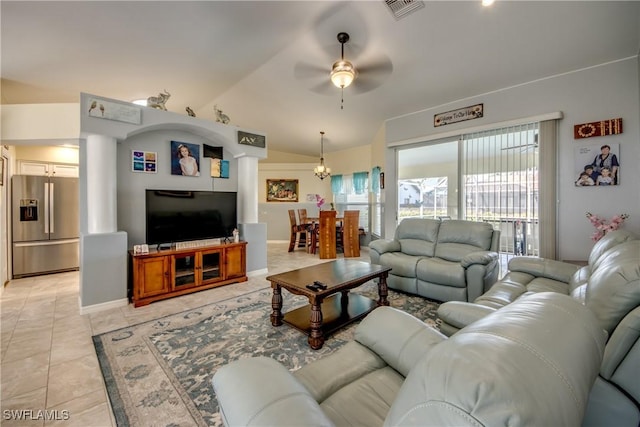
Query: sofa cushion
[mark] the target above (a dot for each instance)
(380, 332)
(401, 264)
(327, 375)
(366, 401)
(459, 238)
(501, 294)
(436, 270)
(542, 284)
(614, 288)
(417, 236)
(609, 240)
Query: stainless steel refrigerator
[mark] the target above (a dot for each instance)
(45, 224)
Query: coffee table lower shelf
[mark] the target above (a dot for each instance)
(334, 314)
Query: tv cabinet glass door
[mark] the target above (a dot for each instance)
(184, 270)
(211, 270)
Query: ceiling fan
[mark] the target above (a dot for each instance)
(366, 77)
(524, 147)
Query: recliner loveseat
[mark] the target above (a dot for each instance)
(450, 260)
(609, 286)
(529, 364)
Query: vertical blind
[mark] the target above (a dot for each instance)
(500, 184)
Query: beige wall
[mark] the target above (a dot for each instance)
(282, 157)
(49, 154)
(55, 122)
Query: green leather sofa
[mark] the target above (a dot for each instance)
(450, 260)
(609, 286)
(529, 364)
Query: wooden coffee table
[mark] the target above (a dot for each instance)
(332, 308)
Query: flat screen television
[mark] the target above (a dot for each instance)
(178, 216)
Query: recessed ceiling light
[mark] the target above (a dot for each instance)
(487, 2)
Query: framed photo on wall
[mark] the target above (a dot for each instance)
(185, 159)
(282, 190)
(597, 165)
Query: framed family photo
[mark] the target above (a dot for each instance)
(597, 165)
(282, 190)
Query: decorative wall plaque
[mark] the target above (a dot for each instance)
(252, 139)
(102, 109)
(601, 128)
(459, 115)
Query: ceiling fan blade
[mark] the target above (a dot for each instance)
(372, 74)
(324, 88)
(520, 146)
(304, 71)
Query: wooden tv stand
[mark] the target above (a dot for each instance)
(163, 274)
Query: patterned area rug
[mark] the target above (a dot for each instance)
(158, 373)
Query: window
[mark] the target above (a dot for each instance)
(353, 194)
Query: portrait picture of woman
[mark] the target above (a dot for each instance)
(185, 159)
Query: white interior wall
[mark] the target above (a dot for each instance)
(597, 93)
(132, 185)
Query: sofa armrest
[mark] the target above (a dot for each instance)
(460, 314)
(542, 267)
(381, 246)
(261, 391)
(479, 257)
(397, 337)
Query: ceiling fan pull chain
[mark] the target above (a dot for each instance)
(342, 98)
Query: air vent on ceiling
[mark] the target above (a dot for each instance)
(402, 8)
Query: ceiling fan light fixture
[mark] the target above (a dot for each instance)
(342, 73)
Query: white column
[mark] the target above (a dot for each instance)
(247, 190)
(101, 174)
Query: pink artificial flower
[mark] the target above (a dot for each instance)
(603, 226)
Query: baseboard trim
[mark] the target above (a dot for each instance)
(257, 272)
(102, 306)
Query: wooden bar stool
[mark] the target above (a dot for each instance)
(351, 234)
(327, 234)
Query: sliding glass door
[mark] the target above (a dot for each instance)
(428, 181)
(488, 176)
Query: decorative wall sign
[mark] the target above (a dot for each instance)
(282, 190)
(601, 128)
(597, 165)
(144, 161)
(102, 109)
(251, 139)
(185, 159)
(459, 115)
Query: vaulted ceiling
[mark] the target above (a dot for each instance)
(266, 64)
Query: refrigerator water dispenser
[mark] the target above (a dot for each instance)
(28, 210)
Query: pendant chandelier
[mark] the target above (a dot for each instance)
(321, 171)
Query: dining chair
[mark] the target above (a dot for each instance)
(297, 232)
(351, 234)
(304, 222)
(327, 234)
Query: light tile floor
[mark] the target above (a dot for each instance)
(48, 362)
